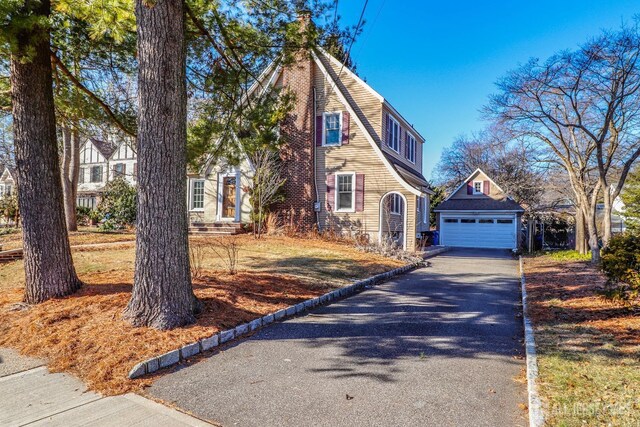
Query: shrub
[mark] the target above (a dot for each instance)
(621, 263)
(118, 205)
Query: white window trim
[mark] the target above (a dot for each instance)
(191, 187)
(353, 192)
(414, 151)
(391, 211)
(399, 142)
(425, 217)
(324, 128)
(481, 187)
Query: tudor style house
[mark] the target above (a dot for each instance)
(7, 181)
(479, 214)
(352, 162)
(101, 162)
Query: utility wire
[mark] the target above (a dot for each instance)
(353, 38)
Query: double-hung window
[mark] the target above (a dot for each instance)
(395, 204)
(197, 195)
(393, 134)
(345, 194)
(118, 170)
(96, 174)
(411, 148)
(7, 190)
(332, 128)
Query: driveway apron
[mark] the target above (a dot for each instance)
(439, 346)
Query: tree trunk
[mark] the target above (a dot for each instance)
(48, 265)
(606, 218)
(70, 171)
(162, 294)
(593, 234)
(580, 233)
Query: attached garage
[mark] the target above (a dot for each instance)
(479, 231)
(478, 214)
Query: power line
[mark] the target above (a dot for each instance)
(353, 38)
(370, 27)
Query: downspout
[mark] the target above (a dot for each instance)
(315, 157)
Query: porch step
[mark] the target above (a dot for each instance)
(12, 255)
(217, 228)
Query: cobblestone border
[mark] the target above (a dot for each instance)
(206, 344)
(536, 415)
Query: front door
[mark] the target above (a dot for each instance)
(229, 197)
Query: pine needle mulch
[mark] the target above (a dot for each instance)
(83, 334)
(588, 346)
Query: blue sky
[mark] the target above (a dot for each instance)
(437, 62)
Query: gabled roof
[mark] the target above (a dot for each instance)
(356, 113)
(469, 178)
(7, 171)
(105, 148)
(372, 91)
(481, 204)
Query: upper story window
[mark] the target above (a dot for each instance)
(96, 174)
(393, 134)
(411, 148)
(345, 194)
(119, 170)
(477, 187)
(81, 176)
(332, 128)
(197, 195)
(5, 190)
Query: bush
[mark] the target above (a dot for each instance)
(118, 205)
(621, 263)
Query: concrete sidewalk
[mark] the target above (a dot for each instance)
(31, 396)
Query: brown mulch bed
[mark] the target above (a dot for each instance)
(84, 334)
(572, 292)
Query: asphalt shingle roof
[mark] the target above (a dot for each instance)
(479, 204)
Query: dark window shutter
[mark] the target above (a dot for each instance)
(124, 169)
(400, 143)
(486, 187)
(470, 187)
(359, 192)
(345, 127)
(318, 131)
(331, 188)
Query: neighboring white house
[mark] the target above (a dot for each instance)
(101, 162)
(7, 181)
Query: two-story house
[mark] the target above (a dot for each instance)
(101, 162)
(7, 181)
(352, 162)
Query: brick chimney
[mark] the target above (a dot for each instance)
(298, 150)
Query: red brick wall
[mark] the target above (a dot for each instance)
(298, 150)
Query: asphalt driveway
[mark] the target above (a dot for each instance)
(439, 346)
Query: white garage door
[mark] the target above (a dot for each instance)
(478, 231)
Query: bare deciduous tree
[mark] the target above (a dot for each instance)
(583, 106)
(511, 163)
(265, 185)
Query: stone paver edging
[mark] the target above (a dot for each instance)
(175, 356)
(536, 415)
